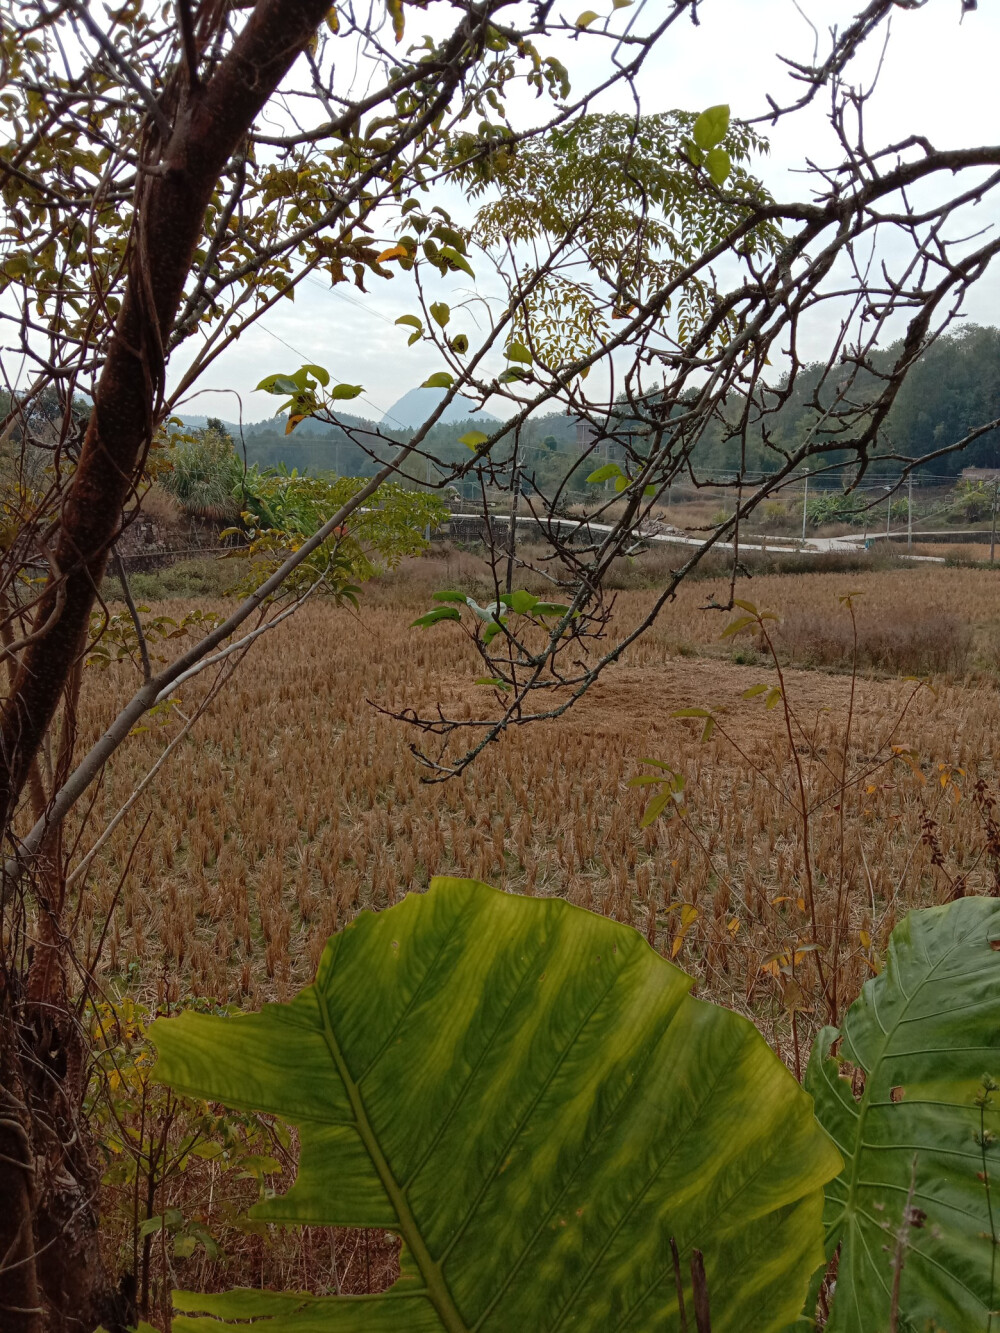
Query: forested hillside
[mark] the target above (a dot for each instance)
(954, 386)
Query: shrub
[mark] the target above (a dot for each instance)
(937, 643)
(208, 577)
(529, 1096)
(204, 474)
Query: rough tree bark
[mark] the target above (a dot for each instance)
(51, 1277)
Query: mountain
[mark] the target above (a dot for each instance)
(415, 407)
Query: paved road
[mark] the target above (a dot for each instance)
(849, 544)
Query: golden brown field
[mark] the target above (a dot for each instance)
(294, 803)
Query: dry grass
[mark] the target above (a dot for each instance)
(294, 804)
(968, 553)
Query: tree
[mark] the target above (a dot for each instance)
(154, 211)
(204, 473)
(151, 215)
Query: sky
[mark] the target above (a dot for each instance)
(938, 78)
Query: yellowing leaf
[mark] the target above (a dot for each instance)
(587, 18)
(718, 165)
(394, 252)
(395, 9)
(689, 915)
(711, 126)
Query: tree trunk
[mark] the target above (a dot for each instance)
(51, 1277)
(20, 1307)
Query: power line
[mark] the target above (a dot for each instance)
(298, 352)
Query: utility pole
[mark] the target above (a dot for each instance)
(805, 502)
(888, 513)
(993, 526)
(427, 484)
(909, 515)
(512, 533)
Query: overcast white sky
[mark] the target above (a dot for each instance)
(939, 79)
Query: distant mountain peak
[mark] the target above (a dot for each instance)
(413, 409)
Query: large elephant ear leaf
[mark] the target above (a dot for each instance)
(907, 1098)
(529, 1096)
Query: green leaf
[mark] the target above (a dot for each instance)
(497, 682)
(526, 1093)
(621, 483)
(459, 344)
(711, 127)
(549, 609)
(522, 603)
(456, 259)
(493, 629)
(242, 1303)
(439, 380)
(417, 325)
(773, 697)
(441, 312)
(753, 691)
(473, 439)
(656, 807)
(922, 1036)
(605, 473)
(516, 351)
(346, 390)
(451, 595)
(709, 727)
(432, 617)
(320, 375)
(735, 626)
(718, 165)
(279, 384)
